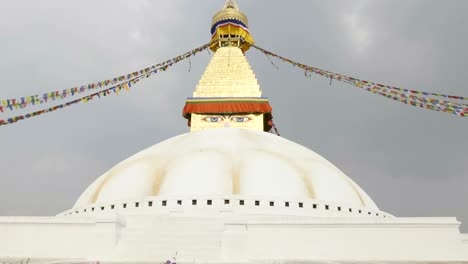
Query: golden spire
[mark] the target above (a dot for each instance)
(229, 27)
(230, 4)
(230, 11)
(228, 94)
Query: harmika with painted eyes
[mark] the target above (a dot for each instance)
(225, 118)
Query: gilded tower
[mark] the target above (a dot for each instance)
(228, 94)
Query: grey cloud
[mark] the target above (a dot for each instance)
(412, 162)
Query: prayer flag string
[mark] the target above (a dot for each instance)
(116, 89)
(32, 100)
(426, 100)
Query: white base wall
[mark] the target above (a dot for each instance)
(231, 238)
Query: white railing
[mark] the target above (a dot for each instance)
(229, 204)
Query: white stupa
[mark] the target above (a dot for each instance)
(228, 192)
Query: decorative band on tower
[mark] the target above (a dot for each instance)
(230, 106)
(226, 105)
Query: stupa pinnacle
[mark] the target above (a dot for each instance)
(228, 94)
(229, 27)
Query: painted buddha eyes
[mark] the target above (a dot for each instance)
(213, 119)
(240, 119)
(235, 119)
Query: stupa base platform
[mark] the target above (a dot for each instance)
(229, 238)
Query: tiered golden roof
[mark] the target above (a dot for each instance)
(228, 75)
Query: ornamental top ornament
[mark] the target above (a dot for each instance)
(230, 11)
(229, 27)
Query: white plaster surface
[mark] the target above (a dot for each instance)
(227, 237)
(228, 196)
(227, 161)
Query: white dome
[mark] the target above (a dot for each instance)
(230, 162)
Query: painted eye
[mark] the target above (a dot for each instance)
(212, 119)
(240, 119)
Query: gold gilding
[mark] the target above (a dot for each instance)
(225, 34)
(228, 75)
(230, 11)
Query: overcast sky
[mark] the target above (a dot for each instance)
(412, 162)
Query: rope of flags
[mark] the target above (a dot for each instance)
(274, 130)
(116, 89)
(32, 100)
(427, 100)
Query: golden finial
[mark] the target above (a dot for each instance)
(229, 27)
(230, 11)
(230, 4)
